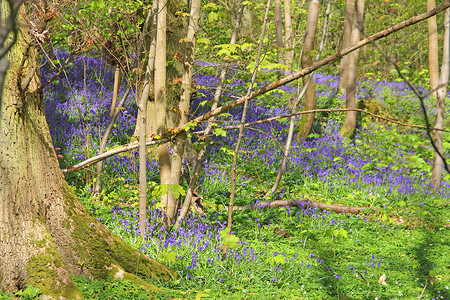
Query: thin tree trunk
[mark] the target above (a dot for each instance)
(167, 200)
(349, 12)
(186, 91)
(348, 128)
(279, 35)
(244, 115)
(48, 236)
(201, 155)
(142, 144)
(436, 174)
(433, 55)
(115, 90)
(307, 61)
(289, 56)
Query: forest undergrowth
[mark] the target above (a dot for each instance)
(396, 249)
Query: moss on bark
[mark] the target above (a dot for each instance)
(44, 270)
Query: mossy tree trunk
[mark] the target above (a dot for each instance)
(47, 235)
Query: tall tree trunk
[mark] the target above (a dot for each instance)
(349, 12)
(115, 90)
(289, 56)
(48, 236)
(436, 173)
(201, 155)
(279, 35)
(350, 91)
(167, 200)
(433, 55)
(186, 91)
(307, 61)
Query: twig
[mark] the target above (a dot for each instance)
(359, 273)
(423, 290)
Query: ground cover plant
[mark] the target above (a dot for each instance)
(394, 250)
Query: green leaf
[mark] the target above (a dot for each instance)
(204, 41)
(209, 5)
(219, 132)
(212, 16)
(230, 240)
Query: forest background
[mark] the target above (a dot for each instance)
(181, 71)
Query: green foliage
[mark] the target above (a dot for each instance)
(29, 293)
(228, 239)
(111, 289)
(163, 189)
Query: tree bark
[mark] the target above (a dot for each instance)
(186, 92)
(337, 208)
(348, 128)
(307, 61)
(47, 235)
(201, 155)
(167, 200)
(300, 95)
(279, 35)
(433, 56)
(349, 12)
(115, 90)
(289, 56)
(436, 174)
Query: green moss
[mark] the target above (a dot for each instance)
(43, 272)
(146, 285)
(136, 263)
(99, 250)
(66, 224)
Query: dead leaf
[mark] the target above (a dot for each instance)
(382, 279)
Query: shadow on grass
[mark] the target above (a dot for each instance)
(430, 260)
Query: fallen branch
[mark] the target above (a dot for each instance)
(301, 203)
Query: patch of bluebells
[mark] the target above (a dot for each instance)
(197, 243)
(76, 112)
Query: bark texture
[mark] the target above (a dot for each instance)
(433, 60)
(348, 128)
(279, 34)
(289, 54)
(307, 61)
(436, 173)
(346, 42)
(47, 235)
